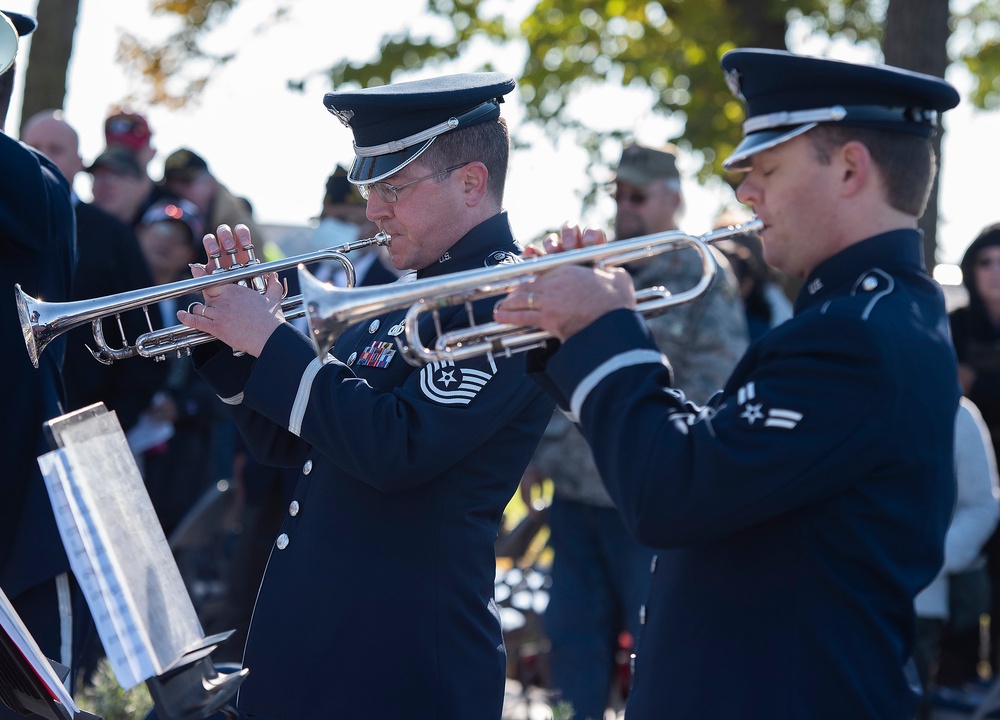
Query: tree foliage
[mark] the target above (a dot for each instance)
(670, 48)
(176, 69)
(976, 43)
(666, 47)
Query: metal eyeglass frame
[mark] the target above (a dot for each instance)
(388, 192)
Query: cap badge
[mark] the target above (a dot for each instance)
(343, 115)
(733, 81)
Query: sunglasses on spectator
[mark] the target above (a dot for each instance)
(633, 196)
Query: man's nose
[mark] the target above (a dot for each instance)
(747, 192)
(377, 208)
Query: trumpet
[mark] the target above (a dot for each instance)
(42, 322)
(331, 310)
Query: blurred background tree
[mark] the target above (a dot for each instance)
(667, 49)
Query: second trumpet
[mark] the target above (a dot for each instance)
(332, 310)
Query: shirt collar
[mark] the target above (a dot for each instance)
(894, 251)
(474, 247)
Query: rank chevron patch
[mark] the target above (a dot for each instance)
(448, 384)
(753, 413)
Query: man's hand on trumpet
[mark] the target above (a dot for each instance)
(565, 300)
(238, 316)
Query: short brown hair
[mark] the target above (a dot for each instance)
(488, 142)
(906, 162)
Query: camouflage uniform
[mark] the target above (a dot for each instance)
(596, 558)
(702, 339)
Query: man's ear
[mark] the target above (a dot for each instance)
(474, 177)
(856, 165)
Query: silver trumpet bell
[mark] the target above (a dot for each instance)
(42, 322)
(331, 310)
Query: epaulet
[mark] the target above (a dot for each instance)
(871, 286)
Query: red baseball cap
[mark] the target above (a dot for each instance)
(127, 129)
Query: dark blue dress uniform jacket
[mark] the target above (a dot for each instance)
(800, 511)
(377, 601)
(36, 250)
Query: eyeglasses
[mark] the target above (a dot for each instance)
(389, 192)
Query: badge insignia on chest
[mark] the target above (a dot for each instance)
(448, 384)
(378, 354)
(500, 257)
(755, 413)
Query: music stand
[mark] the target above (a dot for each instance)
(121, 559)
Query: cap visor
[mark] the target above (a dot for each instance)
(24, 24)
(372, 169)
(759, 141)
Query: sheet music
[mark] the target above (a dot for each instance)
(117, 550)
(11, 623)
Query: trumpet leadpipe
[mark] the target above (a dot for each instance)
(332, 310)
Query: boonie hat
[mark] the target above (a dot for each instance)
(393, 124)
(787, 95)
(641, 165)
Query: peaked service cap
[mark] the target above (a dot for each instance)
(393, 124)
(787, 95)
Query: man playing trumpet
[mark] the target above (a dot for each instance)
(378, 595)
(800, 511)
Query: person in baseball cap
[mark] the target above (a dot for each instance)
(183, 165)
(647, 191)
(117, 159)
(127, 129)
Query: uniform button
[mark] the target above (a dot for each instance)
(373, 328)
(282, 541)
(352, 358)
(869, 283)
(642, 614)
(308, 467)
(652, 564)
(293, 509)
